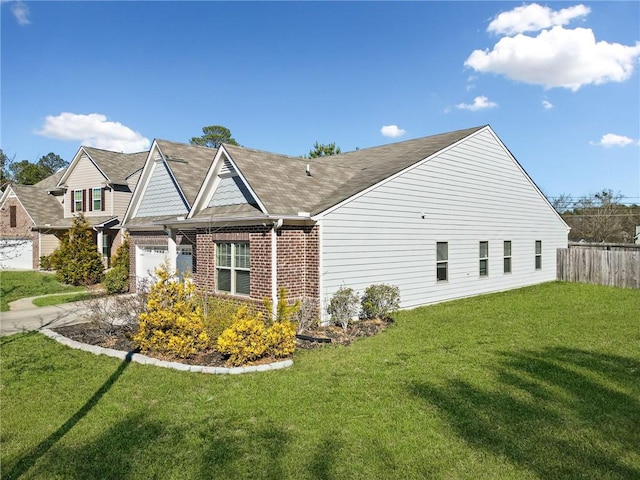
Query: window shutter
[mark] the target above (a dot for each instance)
(90, 199)
(84, 200)
(13, 216)
(102, 199)
(73, 201)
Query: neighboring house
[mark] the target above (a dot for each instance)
(97, 183)
(22, 207)
(441, 217)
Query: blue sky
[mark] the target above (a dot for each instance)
(557, 81)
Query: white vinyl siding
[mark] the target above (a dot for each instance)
(470, 193)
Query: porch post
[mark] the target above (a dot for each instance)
(172, 252)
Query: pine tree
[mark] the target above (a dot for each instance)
(77, 259)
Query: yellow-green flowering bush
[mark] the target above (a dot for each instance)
(173, 323)
(244, 341)
(281, 339)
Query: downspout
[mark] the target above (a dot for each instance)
(274, 267)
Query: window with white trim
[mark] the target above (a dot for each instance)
(232, 268)
(77, 201)
(507, 256)
(96, 199)
(484, 259)
(538, 254)
(442, 261)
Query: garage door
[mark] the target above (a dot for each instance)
(16, 254)
(148, 258)
(151, 257)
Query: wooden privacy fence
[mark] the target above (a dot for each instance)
(617, 268)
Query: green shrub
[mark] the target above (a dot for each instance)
(219, 313)
(173, 322)
(46, 262)
(284, 310)
(77, 260)
(343, 306)
(116, 280)
(380, 301)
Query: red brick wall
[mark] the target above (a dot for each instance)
(297, 256)
(22, 230)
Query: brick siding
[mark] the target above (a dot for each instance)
(298, 258)
(22, 230)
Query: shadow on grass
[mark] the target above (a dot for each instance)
(560, 413)
(25, 463)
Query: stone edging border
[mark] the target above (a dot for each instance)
(144, 360)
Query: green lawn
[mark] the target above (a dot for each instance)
(15, 285)
(63, 298)
(537, 383)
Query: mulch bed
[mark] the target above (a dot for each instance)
(118, 338)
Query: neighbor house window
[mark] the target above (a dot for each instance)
(538, 254)
(13, 215)
(484, 259)
(232, 268)
(96, 199)
(77, 201)
(507, 256)
(442, 261)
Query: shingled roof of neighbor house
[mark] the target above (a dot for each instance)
(116, 166)
(283, 186)
(189, 165)
(41, 207)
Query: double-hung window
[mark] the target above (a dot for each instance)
(232, 268)
(442, 261)
(77, 201)
(96, 199)
(507, 256)
(484, 259)
(538, 254)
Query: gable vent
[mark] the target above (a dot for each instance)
(226, 168)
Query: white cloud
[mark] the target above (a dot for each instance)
(93, 130)
(392, 131)
(613, 140)
(479, 103)
(534, 17)
(547, 104)
(558, 58)
(20, 10)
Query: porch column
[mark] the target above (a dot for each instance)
(100, 242)
(172, 250)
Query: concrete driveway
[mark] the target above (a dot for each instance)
(24, 316)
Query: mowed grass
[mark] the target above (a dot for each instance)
(16, 285)
(537, 383)
(62, 298)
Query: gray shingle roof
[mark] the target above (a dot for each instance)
(51, 181)
(116, 166)
(189, 164)
(283, 186)
(41, 206)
